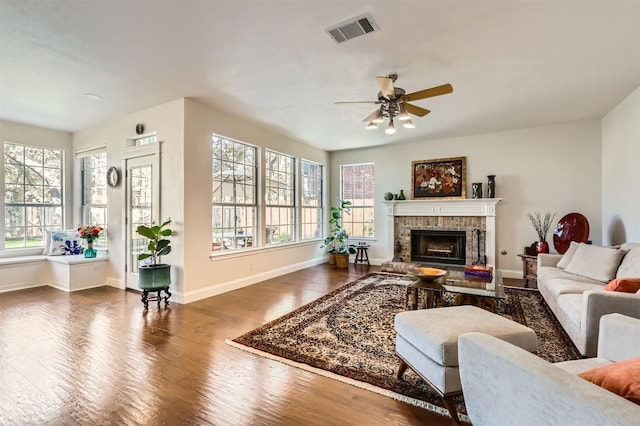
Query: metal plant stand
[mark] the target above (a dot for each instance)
(158, 297)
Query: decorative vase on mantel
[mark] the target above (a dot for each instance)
(492, 186)
(90, 252)
(542, 247)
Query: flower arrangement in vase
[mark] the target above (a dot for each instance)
(542, 226)
(90, 233)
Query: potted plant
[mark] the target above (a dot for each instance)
(153, 275)
(342, 248)
(337, 243)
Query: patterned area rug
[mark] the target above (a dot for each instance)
(349, 335)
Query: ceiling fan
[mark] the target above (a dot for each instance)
(394, 103)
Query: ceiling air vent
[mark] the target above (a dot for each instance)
(352, 28)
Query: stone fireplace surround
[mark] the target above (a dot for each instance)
(451, 215)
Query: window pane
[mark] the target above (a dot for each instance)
(312, 223)
(358, 186)
(280, 198)
(13, 173)
(94, 194)
(233, 211)
(13, 193)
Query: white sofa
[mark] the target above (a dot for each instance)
(573, 287)
(506, 385)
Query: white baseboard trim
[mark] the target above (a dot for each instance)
(115, 282)
(215, 290)
(21, 286)
(510, 273)
(63, 287)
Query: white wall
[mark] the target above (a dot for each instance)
(621, 172)
(184, 128)
(39, 136)
(205, 276)
(167, 121)
(552, 168)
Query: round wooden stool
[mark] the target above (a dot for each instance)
(361, 254)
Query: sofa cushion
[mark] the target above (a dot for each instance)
(568, 255)
(596, 262)
(630, 265)
(560, 286)
(625, 285)
(622, 378)
(548, 274)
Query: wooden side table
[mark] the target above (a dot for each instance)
(529, 269)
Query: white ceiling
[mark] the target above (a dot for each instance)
(512, 64)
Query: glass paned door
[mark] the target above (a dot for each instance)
(142, 209)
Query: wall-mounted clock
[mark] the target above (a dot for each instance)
(113, 177)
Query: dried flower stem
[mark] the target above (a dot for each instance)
(541, 226)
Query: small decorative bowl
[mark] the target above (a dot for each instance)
(427, 274)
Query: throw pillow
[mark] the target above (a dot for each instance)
(622, 378)
(65, 243)
(568, 255)
(625, 285)
(595, 262)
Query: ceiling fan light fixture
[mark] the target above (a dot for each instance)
(379, 118)
(372, 125)
(408, 124)
(391, 128)
(404, 115)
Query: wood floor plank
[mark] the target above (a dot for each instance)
(95, 357)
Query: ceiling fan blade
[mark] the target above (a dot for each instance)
(373, 115)
(358, 102)
(416, 110)
(428, 93)
(386, 87)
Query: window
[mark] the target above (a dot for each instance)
(145, 140)
(234, 198)
(358, 187)
(94, 193)
(279, 198)
(32, 194)
(311, 219)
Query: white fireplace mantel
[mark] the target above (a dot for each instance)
(485, 207)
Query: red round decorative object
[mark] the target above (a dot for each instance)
(572, 227)
(542, 247)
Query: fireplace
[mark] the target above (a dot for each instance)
(435, 246)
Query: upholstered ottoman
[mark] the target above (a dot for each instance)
(427, 341)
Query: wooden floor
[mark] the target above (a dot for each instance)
(94, 357)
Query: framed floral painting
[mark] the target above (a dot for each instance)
(441, 178)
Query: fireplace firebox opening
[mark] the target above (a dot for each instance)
(447, 247)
